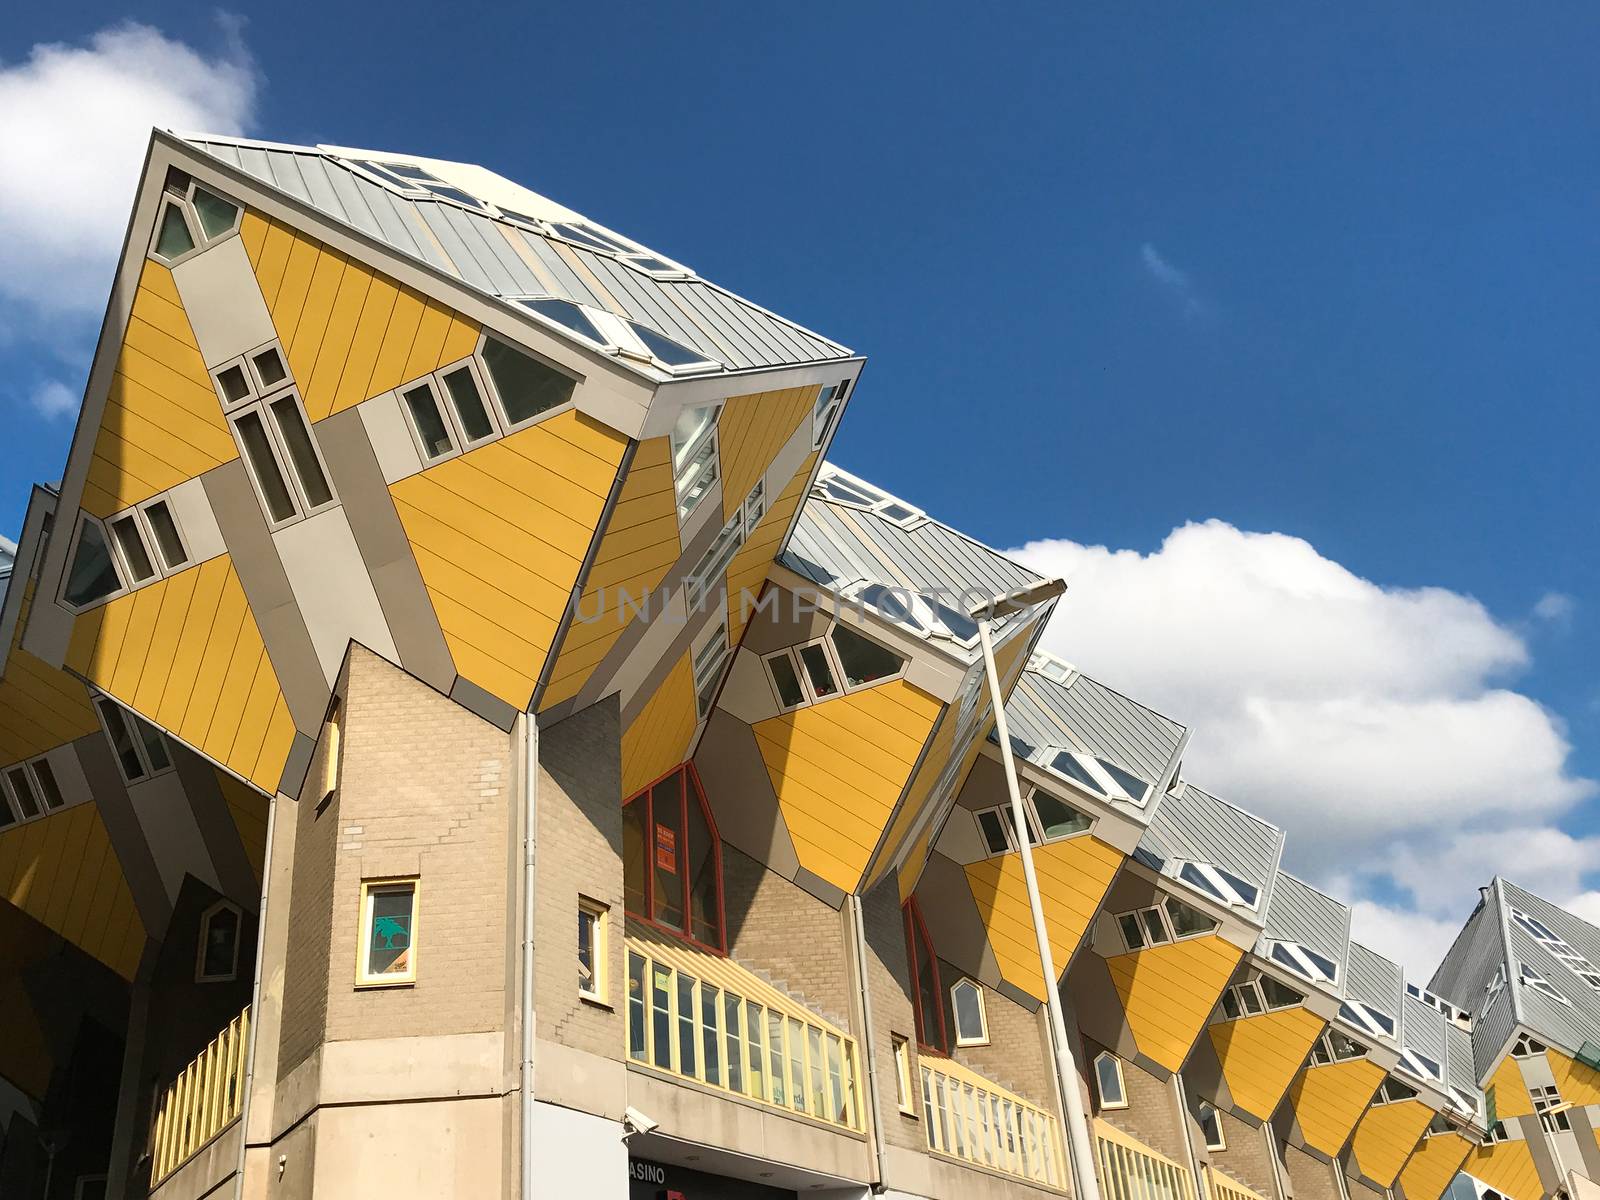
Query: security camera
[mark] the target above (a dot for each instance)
(634, 1121)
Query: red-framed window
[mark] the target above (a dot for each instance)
(927, 997)
(672, 859)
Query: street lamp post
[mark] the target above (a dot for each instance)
(1086, 1184)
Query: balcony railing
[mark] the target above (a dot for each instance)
(701, 1017)
(1220, 1187)
(203, 1101)
(1130, 1170)
(969, 1118)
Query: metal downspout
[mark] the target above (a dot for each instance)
(530, 773)
(874, 1096)
(255, 1000)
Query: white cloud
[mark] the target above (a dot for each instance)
(82, 116)
(1556, 608)
(1415, 941)
(1377, 725)
(53, 399)
(1172, 278)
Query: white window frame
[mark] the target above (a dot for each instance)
(154, 544)
(184, 202)
(668, 269)
(708, 664)
(1221, 1142)
(1527, 1047)
(904, 1075)
(599, 986)
(140, 751)
(10, 790)
(1529, 978)
(830, 653)
(873, 498)
(1165, 920)
(788, 656)
(1437, 1003)
(369, 889)
(435, 382)
(1558, 946)
(1491, 990)
(825, 411)
(1411, 1060)
(1551, 1108)
(1105, 1056)
(1324, 1053)
(1058, 669)
(379, 172)
(1384, 1096)
(714, 563)
(1036, 832)
(606, 342)
(8, 807)
(139, 514)
(1300, 961)
(1221, 888)
(262, 406)
(685, 474)
(200, 949)
(755, 507)
(122, 588)
(983, 1013)
(1366, 1018)
(497, 406)
(1251, 990)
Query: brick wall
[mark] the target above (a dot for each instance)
(1245, 1158)
(888, 983)
(579, 854)
(1309, 1178)
(1018, 1054)
(783, 932)
(1152, 1113)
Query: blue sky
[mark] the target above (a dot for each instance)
(1117, 268)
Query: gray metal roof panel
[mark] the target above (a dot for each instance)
(1193, 824)
(1422, 1029)
(1463, 975)
(1087, 716)
(1375, 980)
(1490, 1031)
(1459, 1071)
(1298, 912)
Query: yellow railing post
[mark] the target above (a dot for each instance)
(205, 1098)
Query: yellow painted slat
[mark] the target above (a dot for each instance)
(658, 738)
(322, 387)
(290, 301)
(165, 640)
(1507, 1167)
(274, 259)
(1578, 1084)
(1434, 1165)
(1261, 1055)
(323, 291)
(1168, 992)
(399, 338)
(362, 354)
(1511, 1096)
(1386, 1137)
(1328, 1101)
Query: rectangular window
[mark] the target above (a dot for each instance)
(709, 661)
(140, 748)
(265, 467)
(388, 933)
(826, 409)
(1108, 1080)
(164, 531)
(591, 949)
(755, 507)
(785, 681)
(434, 436)
(283, 458)
(1210, 1121)
(695, 462)
(130, 544)
(926, 994)
(44, 778)
(22, 792)
(708, 571)
(904, 1093)
(672, 859)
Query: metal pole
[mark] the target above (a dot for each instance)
(1086, 1185)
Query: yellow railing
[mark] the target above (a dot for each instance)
(1130, 1170)
(202, 1102)
(972, 1119)
(704, 1018)
(1220, 1187)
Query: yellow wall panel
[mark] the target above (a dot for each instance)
(1577, 1083)
(248, 808)
(350, 332)
(1261, 1055)
(1511, 1098)
(748, 570)
(499, 535)
(638, 548)
(838, 768)
(1508, 1168)
(40, 707)
(1168, 992)
(1386, 1137)
(1328, 1101)
(658, 738)
(62, 871)
(1073, 878)
(162, 422)
(216, 689)
(1434, 1165)
(750, 432)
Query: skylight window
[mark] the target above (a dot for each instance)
(417, 181)
(656, 268)
(841, 487)
(1558, 946)
(1306, 962)
(585, 234)
(1367, 1017)
(1219, 884)
(1420, 1065)
(1099, 776)
(826, 410)
(1530, 978)
(1052, 667)
(569, 316)
(672, 356)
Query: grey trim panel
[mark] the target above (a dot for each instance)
(819, 887)
(217, 828)
(296, 765)
(127, 834)
(475, 700)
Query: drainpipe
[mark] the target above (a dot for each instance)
(869, 1033)
(530, 776)
(1086, 1185)
(255, 1000)
(1279, 1171)
(1188, 1132)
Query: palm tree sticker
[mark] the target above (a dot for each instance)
(390, 928)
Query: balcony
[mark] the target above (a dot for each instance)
(1130, 1170)
(202, 1102)
(1220, 1187)
(703, 1018)
(971, 1119)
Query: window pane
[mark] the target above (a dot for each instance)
(93, 574)
(968, 1008)
(1186, 920)
(1279, 996)
(474, 417)
(994, 831)
(269, 368)
(784, 679)
(732, 1007)
(302, 455)
(661, 1015)
(587, 982)
(216, 214)
(235, 387)
(705, 913)
(633, 857)
(165, 529)
(636, 1007)
(665, 349)
(121, 740)
(1132, 931)
(425, 415)
(666, 802)
(131, 543)
(217, 955)
(155, 746)
(815, 660)
(710, 1024)
(7, 817)
(174, 238)
(1230, 1005)
(264, 465)
(1155, 931)
(1057, 818)
(526, 386)
(22, 789)
(862, 659)
(569, 315)
(44, 775)
(686, 1040)
(389, 936)
(932, 1031)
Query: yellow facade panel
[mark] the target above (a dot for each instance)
(1386, 1137)
(1261, 1055)
(748, 570)
(658, 738)
(1511, 1097)
(40, 707)
(1073, 878)
(61, 871)
(750, 432)
(1168, 992)
(1329, 1100)
(1507, 1167)
(1434, 1165)
(248, 808)
(839, 767)
(1577, 1083)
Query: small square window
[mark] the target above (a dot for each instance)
(591, 949)
(818, 670)
(785, 681)
(233, 384)
(435, 438)
(388, 946)
(22, 792)
(269, 368)
(164, 531)
(44, 776)
(130, 544)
